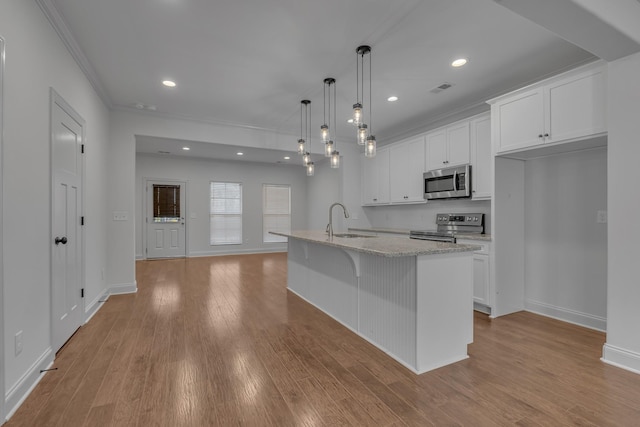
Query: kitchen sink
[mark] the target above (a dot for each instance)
(352, 235)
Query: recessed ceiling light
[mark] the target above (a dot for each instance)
(392, 98)
(169, 83)
(459, 62)
(240, 153)
(186, 148)
(349, 120)
(287, 158)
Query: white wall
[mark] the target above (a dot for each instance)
(565, 248)
(623, 295)
(124, 127)
(36, 60)
(337, 185)
(198, 173)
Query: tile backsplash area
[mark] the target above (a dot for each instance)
(423, 216)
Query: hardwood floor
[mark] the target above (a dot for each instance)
(220, 342)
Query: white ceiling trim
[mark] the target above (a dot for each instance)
(61, 27)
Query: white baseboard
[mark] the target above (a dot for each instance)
(95, 305)
(21, 389)
(197, 254)
(123, 288)
(566, 315)
(621, 358)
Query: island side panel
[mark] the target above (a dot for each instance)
(444, 309)
(325, 276)
(388, 305)
(297, 270)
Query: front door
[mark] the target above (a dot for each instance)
(165, 219)
(66, 240)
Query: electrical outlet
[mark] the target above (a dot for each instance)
(601, 217)
(18, 343)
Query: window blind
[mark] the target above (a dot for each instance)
(276, 212)
(225, 213)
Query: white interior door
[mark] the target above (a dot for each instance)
(66, 242)
(165, 220)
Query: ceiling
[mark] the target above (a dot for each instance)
(249, 62)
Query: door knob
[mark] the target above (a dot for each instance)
(59, 240)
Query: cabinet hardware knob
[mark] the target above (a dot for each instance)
(59, 240)
(546, 135)
(540, 136)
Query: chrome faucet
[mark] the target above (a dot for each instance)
(330, 225)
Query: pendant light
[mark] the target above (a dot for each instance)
(326, 129)
(368, 141)
(306, 157)
(301, 148)
(358, 118)
(335, 155)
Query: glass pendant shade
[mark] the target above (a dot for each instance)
(306, 158)
(370, 147)
(301, 149)
(335, 160)
(324, 130)
(310, 169)
(362, 134)
(328, 148)
(357, 114)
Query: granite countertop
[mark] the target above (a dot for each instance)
(482, 237)
(388, 246)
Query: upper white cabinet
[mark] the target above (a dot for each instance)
(481, 171)
(568, 107)
(407, 166)
(448, 146)
(375, 178)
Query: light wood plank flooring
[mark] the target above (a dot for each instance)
(220, 342)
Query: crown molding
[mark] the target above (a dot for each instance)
(60, 26)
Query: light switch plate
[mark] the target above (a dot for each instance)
(120, 216)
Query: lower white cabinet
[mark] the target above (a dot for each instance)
(481, 279)
(481, 275)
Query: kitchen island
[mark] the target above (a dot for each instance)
(413, 299)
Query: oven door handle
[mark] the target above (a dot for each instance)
(455, 180)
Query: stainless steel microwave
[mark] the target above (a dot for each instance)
(448, 183)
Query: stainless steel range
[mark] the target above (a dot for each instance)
(449, 225)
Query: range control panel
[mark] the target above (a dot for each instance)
(475, 219)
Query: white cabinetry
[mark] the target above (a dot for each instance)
(568, 107)
(375, 178)
(407, 166)
(481, 274)
(481, 170)
(448, 146)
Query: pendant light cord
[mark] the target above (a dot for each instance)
(335, 131)
(370, 96)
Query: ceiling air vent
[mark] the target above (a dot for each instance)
(164, 152)
(441, 87)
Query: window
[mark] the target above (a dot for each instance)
(226, 213)
(166, 203)
(276, 211)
